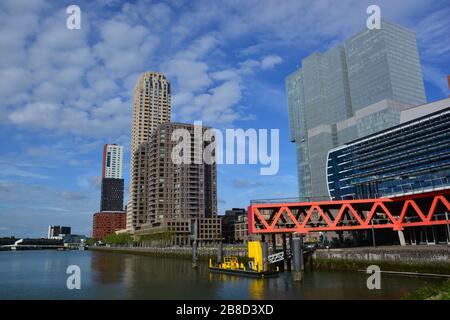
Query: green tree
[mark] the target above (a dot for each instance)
(118, 239)
(90, 241)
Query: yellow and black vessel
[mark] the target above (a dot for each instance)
(254, 269)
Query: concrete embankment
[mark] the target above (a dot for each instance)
(416, 259)
(412, 259)
(175, 252)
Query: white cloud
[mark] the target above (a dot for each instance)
(225, 75)
(62, 81)
(22, 170)
(268, 62)
(124, 48)
(189, 74)
(437, 77)
(12, 81)
(37, 114)
(73, 76)
(432, 29)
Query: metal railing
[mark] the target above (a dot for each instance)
(287, 200)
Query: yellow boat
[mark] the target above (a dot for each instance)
(231, 265)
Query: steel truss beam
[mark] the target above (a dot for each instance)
(425, 209)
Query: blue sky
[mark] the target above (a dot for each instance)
(64, 93)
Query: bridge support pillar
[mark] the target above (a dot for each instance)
(302, 251)
(448, 227)
(265, 254)
(413, 237)
(291, 247)
(274, 243)
(297, 252)
(194, 254)
(287, 265)
(220, 253)
(401, 237)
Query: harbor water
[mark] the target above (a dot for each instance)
(107, 275)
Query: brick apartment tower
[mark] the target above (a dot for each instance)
(151, 108)
(181, 198)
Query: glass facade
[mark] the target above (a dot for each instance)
(317, 94)
(298, 130)
(413, 157)
(331, 87)
(384, 64)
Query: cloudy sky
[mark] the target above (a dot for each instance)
(64, 93)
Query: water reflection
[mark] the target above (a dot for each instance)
(256, 289)
(152, 277)
(42, 275)
(107, 268)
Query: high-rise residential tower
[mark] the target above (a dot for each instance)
(151, 108)
(112, 161)
(378, 68)
(112, 178)
(181, 198)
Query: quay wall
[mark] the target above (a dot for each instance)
(434, 259)
(419, 259)
(203, 253)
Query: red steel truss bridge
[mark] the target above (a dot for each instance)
(425, 209)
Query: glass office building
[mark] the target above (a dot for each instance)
(336, 85)
(384, 64)
(318, 94)
(412, 157)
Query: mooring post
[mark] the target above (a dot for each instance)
(296, 251)
(285, 252)
(194, 254)
(401, 237)
(448, 227)
(220, 253)
(433, 232)
(274, 243)
(291, 247)
(265, 253)
(302, 259)
(373, 234)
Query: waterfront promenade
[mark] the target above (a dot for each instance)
(203, 253)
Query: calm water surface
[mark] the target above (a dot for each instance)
(104, 275)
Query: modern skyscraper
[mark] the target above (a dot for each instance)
(384, 64)
(181, 198)
(331, 87)
(112, 178)
(151, 108)
(317, 94)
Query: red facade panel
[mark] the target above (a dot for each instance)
(108, 222)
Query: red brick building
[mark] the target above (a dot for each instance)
(107, 222)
